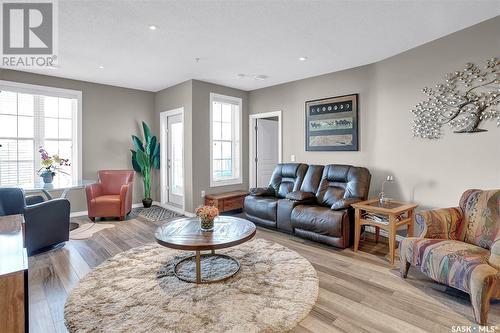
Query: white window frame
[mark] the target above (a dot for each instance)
(33, 89)
(237, 180)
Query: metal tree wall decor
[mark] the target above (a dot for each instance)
(463, 101)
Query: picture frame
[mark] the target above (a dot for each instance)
(332, 124)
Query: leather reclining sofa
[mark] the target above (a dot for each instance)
(310, 201)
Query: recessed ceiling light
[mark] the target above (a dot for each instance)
(303, 58)
(153, 27)
(101, 67)
(261, 77)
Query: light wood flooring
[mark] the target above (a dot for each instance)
(358, 292)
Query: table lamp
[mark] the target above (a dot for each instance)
(381, 197)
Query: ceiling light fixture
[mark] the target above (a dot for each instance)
(261, 77)
(241, 76)
(101, 67)
(153, 27)
(303, 58)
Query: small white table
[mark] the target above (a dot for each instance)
(65, 185)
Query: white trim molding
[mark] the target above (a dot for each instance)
(62, 93)
(237, 146)
(163, 158)
(251, 141)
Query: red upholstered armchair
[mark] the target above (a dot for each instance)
(111, 196)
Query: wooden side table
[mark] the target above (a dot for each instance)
(397, 213)
(226, 201)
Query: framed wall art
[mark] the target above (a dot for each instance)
(332, 124)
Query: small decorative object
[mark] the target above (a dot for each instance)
(50, 164)
(145, 158)
(207, 215)
(332, 124)
(463, 101)
(382, 199)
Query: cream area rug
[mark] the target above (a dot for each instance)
(136, 291)
(86, 230)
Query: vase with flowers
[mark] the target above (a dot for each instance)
(50, 165)
(207, 215)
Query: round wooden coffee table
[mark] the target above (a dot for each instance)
(185, 234)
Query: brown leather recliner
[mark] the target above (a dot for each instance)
(318, 208)
(330, 219)
(111, 196)
(261, 205)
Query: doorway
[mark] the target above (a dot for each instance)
(172, 158)
(265, 147)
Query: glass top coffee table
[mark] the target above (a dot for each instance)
(65, 185)
(185, 234)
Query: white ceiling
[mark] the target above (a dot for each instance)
(249, 37)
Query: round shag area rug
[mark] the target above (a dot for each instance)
(137, 291)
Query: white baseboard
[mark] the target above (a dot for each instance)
(174, 208)
(86, 212)
(76, 214)
(371, 229)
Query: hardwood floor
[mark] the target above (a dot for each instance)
(359, 292)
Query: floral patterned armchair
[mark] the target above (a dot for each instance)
(460, 247)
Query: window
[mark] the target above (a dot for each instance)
(225, 138)
(32, 117)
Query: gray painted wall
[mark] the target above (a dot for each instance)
(194, 96)
(201, 139)
(179, 96)
(110, 116)
(432, 173)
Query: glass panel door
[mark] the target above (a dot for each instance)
(175, 159)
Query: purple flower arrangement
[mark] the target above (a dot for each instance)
(51, 164)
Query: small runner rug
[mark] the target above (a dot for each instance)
(154, 213)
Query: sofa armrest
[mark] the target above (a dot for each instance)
(93, 191)
(125, 198)
(34, 199)
(344, 203)
(494, 259)
(439, 223)
(262, 191)
(300, 196)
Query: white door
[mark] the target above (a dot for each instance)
(267, 147)
(175, 162)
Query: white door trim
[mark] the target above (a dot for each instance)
(163, 158)
(251, 141)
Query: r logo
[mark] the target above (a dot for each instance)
(27, 28)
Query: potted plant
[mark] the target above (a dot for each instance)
(50, 164)
(145, 158)
(207, 215)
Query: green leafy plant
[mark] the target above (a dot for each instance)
(146, 157)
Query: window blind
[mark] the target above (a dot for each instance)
(28, 122)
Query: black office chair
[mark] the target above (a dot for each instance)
(47, 222)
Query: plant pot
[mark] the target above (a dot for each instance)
(47, 176)
(147, 202)
(206, 224)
